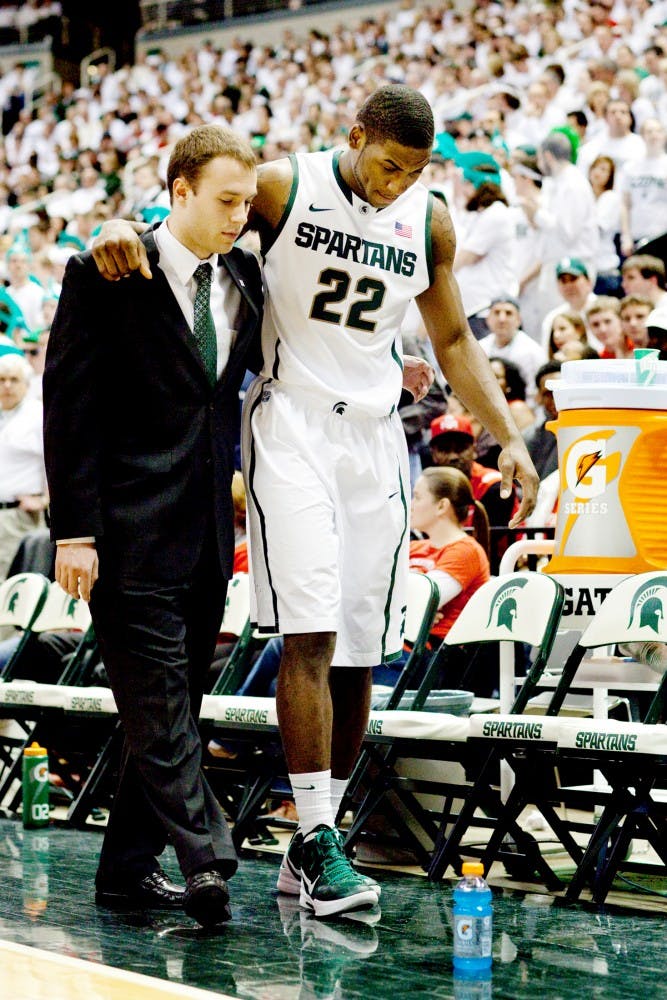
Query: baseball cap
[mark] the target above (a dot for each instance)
(478, 168)
(571, 265)
(451, 423)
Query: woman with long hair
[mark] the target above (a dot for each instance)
(442, 504)
(601, 176)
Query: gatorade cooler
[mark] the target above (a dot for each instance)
(612, 460)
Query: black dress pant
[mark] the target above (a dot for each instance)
(157, 641)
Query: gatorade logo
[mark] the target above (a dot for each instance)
(504, 606)
(464, 929)
(588, 467)
(40, 772)
(648, 605)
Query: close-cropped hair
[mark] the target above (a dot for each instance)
(398, 114)
(201, 145)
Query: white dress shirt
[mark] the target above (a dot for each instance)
(179, 265)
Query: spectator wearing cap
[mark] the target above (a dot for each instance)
(453, 443)
(508, 341)
(564, 211)
(484, 261)
(22, 476)
(576, 290)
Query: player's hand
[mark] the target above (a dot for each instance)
(77, 568)
(514, 463)
(117, 250)
(418, 376)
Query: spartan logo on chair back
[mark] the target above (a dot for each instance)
(649, 603)
(504, 604)
(13, 595)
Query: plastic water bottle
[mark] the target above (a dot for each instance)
(473, 921)
(35, 856)
(35, 787)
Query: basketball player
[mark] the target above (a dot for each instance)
(348, 237)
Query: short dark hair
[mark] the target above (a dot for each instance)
(201, 145)
(399, 114)
(548, 368)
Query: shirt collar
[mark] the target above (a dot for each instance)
(183, 261)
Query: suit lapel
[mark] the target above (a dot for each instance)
(249, 315)
(167, 306)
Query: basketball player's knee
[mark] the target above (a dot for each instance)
(310, 651)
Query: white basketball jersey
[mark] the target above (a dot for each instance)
(340, 275)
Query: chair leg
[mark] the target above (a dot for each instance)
(609, 820)
(77, 814)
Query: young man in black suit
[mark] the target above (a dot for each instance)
(141, 418)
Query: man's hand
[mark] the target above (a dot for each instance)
(118, 251)
(418, 376)
(514, 463)
(77, 568)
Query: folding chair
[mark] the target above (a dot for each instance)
(376, 787)
(21, 600)
(256, 718)
(236, 623)
(631, 756)
(520, 608)
(34, 704)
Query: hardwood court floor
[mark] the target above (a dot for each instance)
(543, 948)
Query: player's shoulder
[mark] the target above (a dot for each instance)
(443, 237)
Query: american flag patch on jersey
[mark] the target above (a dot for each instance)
(402, 230)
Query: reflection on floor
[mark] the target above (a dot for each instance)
(272, 950)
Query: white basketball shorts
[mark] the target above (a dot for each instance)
(327, 500)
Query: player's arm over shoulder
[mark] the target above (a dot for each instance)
(274, 184)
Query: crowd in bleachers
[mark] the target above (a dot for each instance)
(551, 120)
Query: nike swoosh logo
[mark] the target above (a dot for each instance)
(392, 495)
(314, 208)
(304, 788)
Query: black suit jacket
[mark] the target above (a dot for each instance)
(139, 447)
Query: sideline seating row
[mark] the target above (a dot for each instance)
(517, 608)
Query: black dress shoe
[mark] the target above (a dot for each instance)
(153, 892)
(207, 898)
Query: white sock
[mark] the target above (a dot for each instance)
(312, 798)
(338, 789)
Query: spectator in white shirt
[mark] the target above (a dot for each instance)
(564, 211)
(22, 476)
(643, 187)
(508, 342)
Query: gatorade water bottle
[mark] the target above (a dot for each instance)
(35, 786)
(35, 882)
(473, 916)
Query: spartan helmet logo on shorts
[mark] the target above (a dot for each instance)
(649, 602)
(504, 604)
(339, 408)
